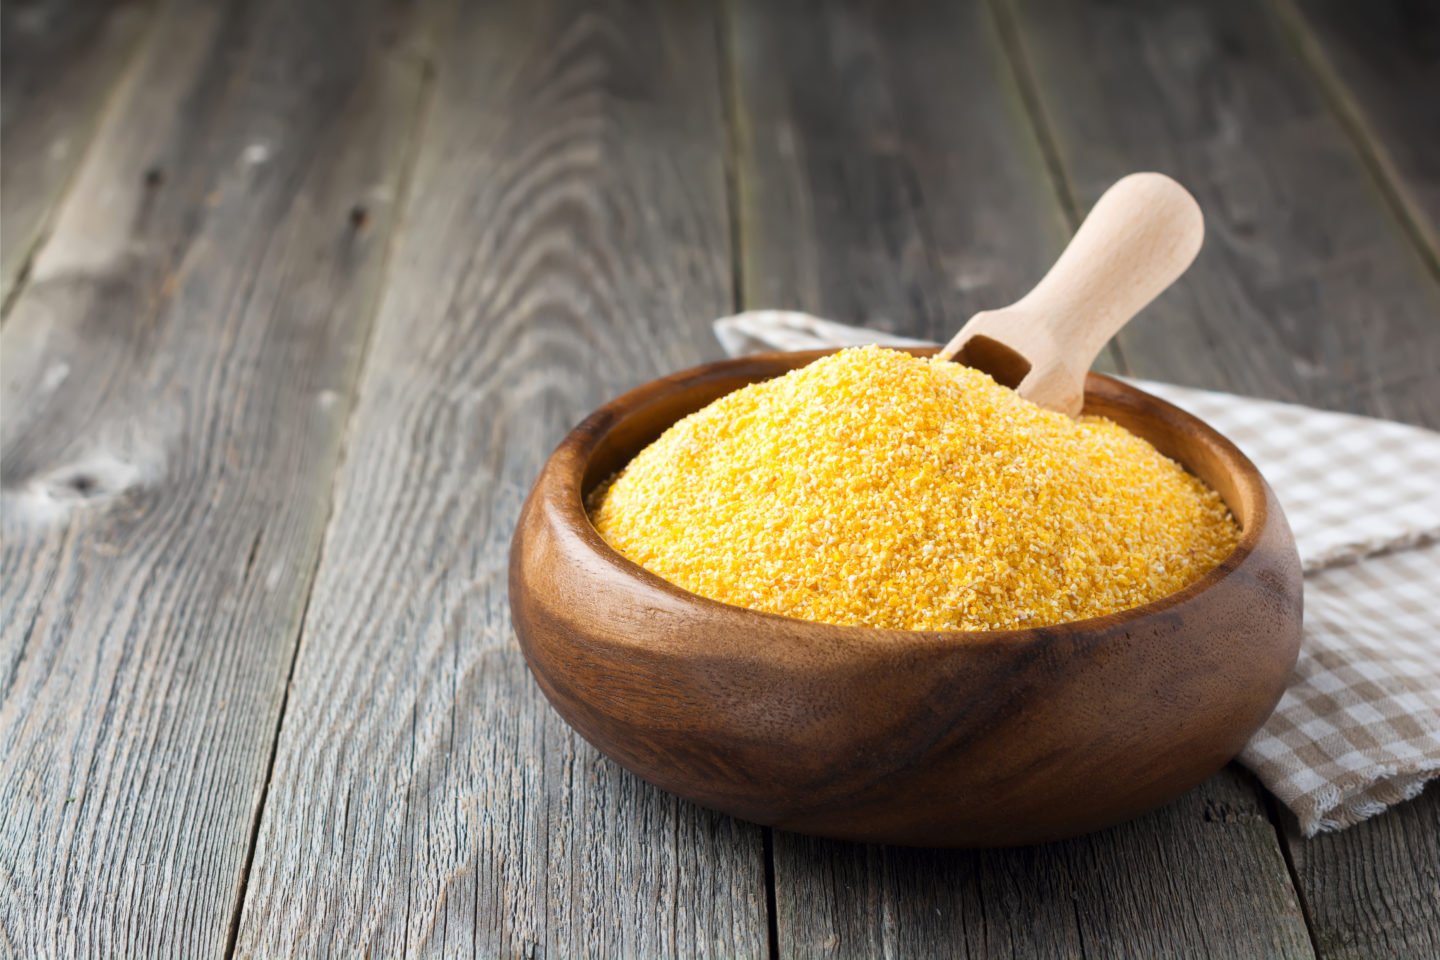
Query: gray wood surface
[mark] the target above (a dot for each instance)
(1373, 890)
(1200, 878)
(883, 197)
(866, 190)
(567, 238)
(176, 376)
(203, 204)
(1304, 264)
(1381, 62)
(59, 62)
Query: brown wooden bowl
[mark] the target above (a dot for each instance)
(921, 738)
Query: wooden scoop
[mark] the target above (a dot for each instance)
(1140, 236)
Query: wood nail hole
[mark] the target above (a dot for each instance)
(154, 177)
(359, 217)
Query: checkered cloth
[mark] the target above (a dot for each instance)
(1358, 729)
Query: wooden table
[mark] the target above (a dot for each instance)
(298, 295)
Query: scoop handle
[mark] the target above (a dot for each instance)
(1139, 237)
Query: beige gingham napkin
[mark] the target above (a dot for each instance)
(1358, 729)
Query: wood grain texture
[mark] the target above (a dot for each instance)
(887, 173)
(1184, 873)
(569, 239)
(59, 61)
(1373, 890)
(1308, 289)
(175, 381)
(1184, 881)
(934, 738)
(1382, 61)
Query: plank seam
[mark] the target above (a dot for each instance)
(233, 933)
(1272, 808)
(1025, 82)
(772, 918)
(730, 110)
(1368, 146)
(1079, 924)
(403, 188)
(22, 276)
(1013, 47)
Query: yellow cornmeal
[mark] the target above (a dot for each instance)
(876, 488)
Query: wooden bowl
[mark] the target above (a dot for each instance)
(920, 738)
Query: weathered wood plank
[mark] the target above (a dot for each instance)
(59, 59)
(1381, 61)
(1206, 874)
(568, 239)
(1308, 289)
(175, 379)
(1374, 890)
(887, 172)
(1200, 878)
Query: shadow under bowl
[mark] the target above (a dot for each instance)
(919, 738)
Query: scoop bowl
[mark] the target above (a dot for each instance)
(918, 738)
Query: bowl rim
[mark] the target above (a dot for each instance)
(564, 476)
